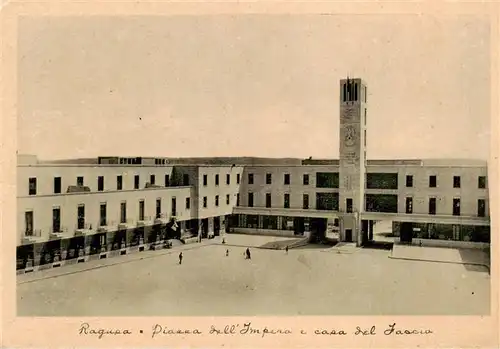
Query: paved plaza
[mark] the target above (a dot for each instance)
(310, 280)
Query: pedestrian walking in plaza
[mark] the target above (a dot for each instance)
(227, 253)
(248, 253)
(286, 249)
(180, 258)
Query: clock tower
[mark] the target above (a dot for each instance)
(352, 151)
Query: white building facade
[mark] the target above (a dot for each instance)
(110, 206)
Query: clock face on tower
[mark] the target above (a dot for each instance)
(350, 135)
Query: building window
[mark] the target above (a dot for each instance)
(286, 201)
(327, 180)
(409, 181)
(365, 113)
(432, 206)
(228, 199)
(100, 183)
(102, 215)
(456, 181)
(481, 182)
(382, 181)
(237, 178)
(250, 178)
(28, 220)
(432, 181)
(185, 179)
(174, 206)
(188, 203)
(228, 179)
(305, 179)
(287, 179)
(216, 200)
(409, 205)
(269, 178)
(167, 180)
(204, 202)
(136, 182)
(268, 199)
(141, 210)
(56, 220)
(481, 208)
(123, 212)
(216, 180)
(365, 138)
(250, 199)
(32, 186)
(79, 181)
(305, 201)
(119, 182)
(327, 201)
(81, 217)
(238, 199)
(152, 179)
(348, 205)
(158, 207)
(205, 180)
(57, 185)
(456, 207)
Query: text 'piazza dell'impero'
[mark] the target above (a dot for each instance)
(248, 329)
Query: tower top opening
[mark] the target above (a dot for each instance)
(352, 90)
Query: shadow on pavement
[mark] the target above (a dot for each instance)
(312, 247)
(387, 235)
(379, 245)
(277, 245)
(476, 257)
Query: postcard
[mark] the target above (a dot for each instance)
(250, 174)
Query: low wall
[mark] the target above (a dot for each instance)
(451, 244)
(299, 243)
(266, 232)
(190, 240)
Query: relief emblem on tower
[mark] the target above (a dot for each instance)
(349, 114)
(350, 136)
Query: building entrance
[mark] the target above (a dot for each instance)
(216, 225)
(298, 225)
(406, 232)
(348, 235)
(377, 234)
(318, 229)
(204, 228)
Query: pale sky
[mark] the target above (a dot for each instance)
(254, 85)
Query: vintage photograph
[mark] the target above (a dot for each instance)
(253, 165)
